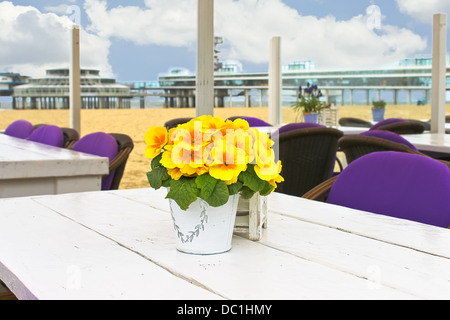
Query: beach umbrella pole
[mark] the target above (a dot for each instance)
(75, 83)
(438, 74)
(205, 59)
(275, 82)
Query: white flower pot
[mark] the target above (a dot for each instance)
(202, 229)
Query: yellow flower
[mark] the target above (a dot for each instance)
(269, 171)
(226, 172)
(155, 138)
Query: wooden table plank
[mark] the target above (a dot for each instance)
(47, 256)
(249, 271)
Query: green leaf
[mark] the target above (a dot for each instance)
(247, 193)
(268, 188)
(156, 161)
(206, 184)
(251, 180)
(183, 191)
(157, 176)
(219, 196)
(235, 188)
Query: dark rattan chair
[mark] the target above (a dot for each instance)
(173, 123)
(115, 146)
(71, 136)
(125, 146)
(308, 157)
(399, 126)
(354, 122)
(397, 184)
(356, 146)
(252, 121)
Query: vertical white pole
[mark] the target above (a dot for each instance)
(439, 69)
(75, 84)
(275, 82)
(205, 58)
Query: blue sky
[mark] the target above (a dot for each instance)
(140, 39)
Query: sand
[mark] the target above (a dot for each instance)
(135, 122)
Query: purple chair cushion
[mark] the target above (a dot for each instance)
(388, 135)
(99, 144)
(256, 122)
(396, 184)
(50, 135)
(19, 129)
(386, 122)
(299, 125)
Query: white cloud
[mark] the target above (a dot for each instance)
(424, 10)
(161, 22)
(247, 27)
(327, 41)
(33, 41)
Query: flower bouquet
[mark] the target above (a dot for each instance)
(211, 160)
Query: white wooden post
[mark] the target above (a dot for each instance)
(205, 58)
(275, 82)
(75, 83)
(439, 69)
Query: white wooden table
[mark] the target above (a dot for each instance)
(433, 142)
(121, 245)
(30, 168)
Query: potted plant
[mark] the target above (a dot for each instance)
(207, 164)
(378, 108)
(309, 103)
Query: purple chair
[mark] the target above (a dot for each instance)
(386, 122)
(400, 126)
(19, 129)
(252, 121)
(396, 184)
(388, 135)
(50, 135)
(100, 144)
(299, 125)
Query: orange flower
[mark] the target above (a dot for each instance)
(155, 138)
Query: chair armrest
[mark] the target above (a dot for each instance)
(115, 163)
(320, 191)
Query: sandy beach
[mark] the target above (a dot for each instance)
(135, 122)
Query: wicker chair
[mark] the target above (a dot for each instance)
(356, 146)
(125, 146)
(399, 126)
(173, 123)
(308, 158)
(115, 146)
(354, 122)
(71, 136)
(252, 121)
(397, 184)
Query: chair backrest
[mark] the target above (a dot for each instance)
(356, 146)
(396, 184)
(308, 157)
(99, 144)
(388, 135)
(386, 122)
(252, 121)
(48, 134)
(70, 135)
(354, 122)
(125, 146)
(298, 125)
(19, 129)
(400, 126)
(173, 123)
(115, 146)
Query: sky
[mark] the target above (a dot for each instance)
(138, 40)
